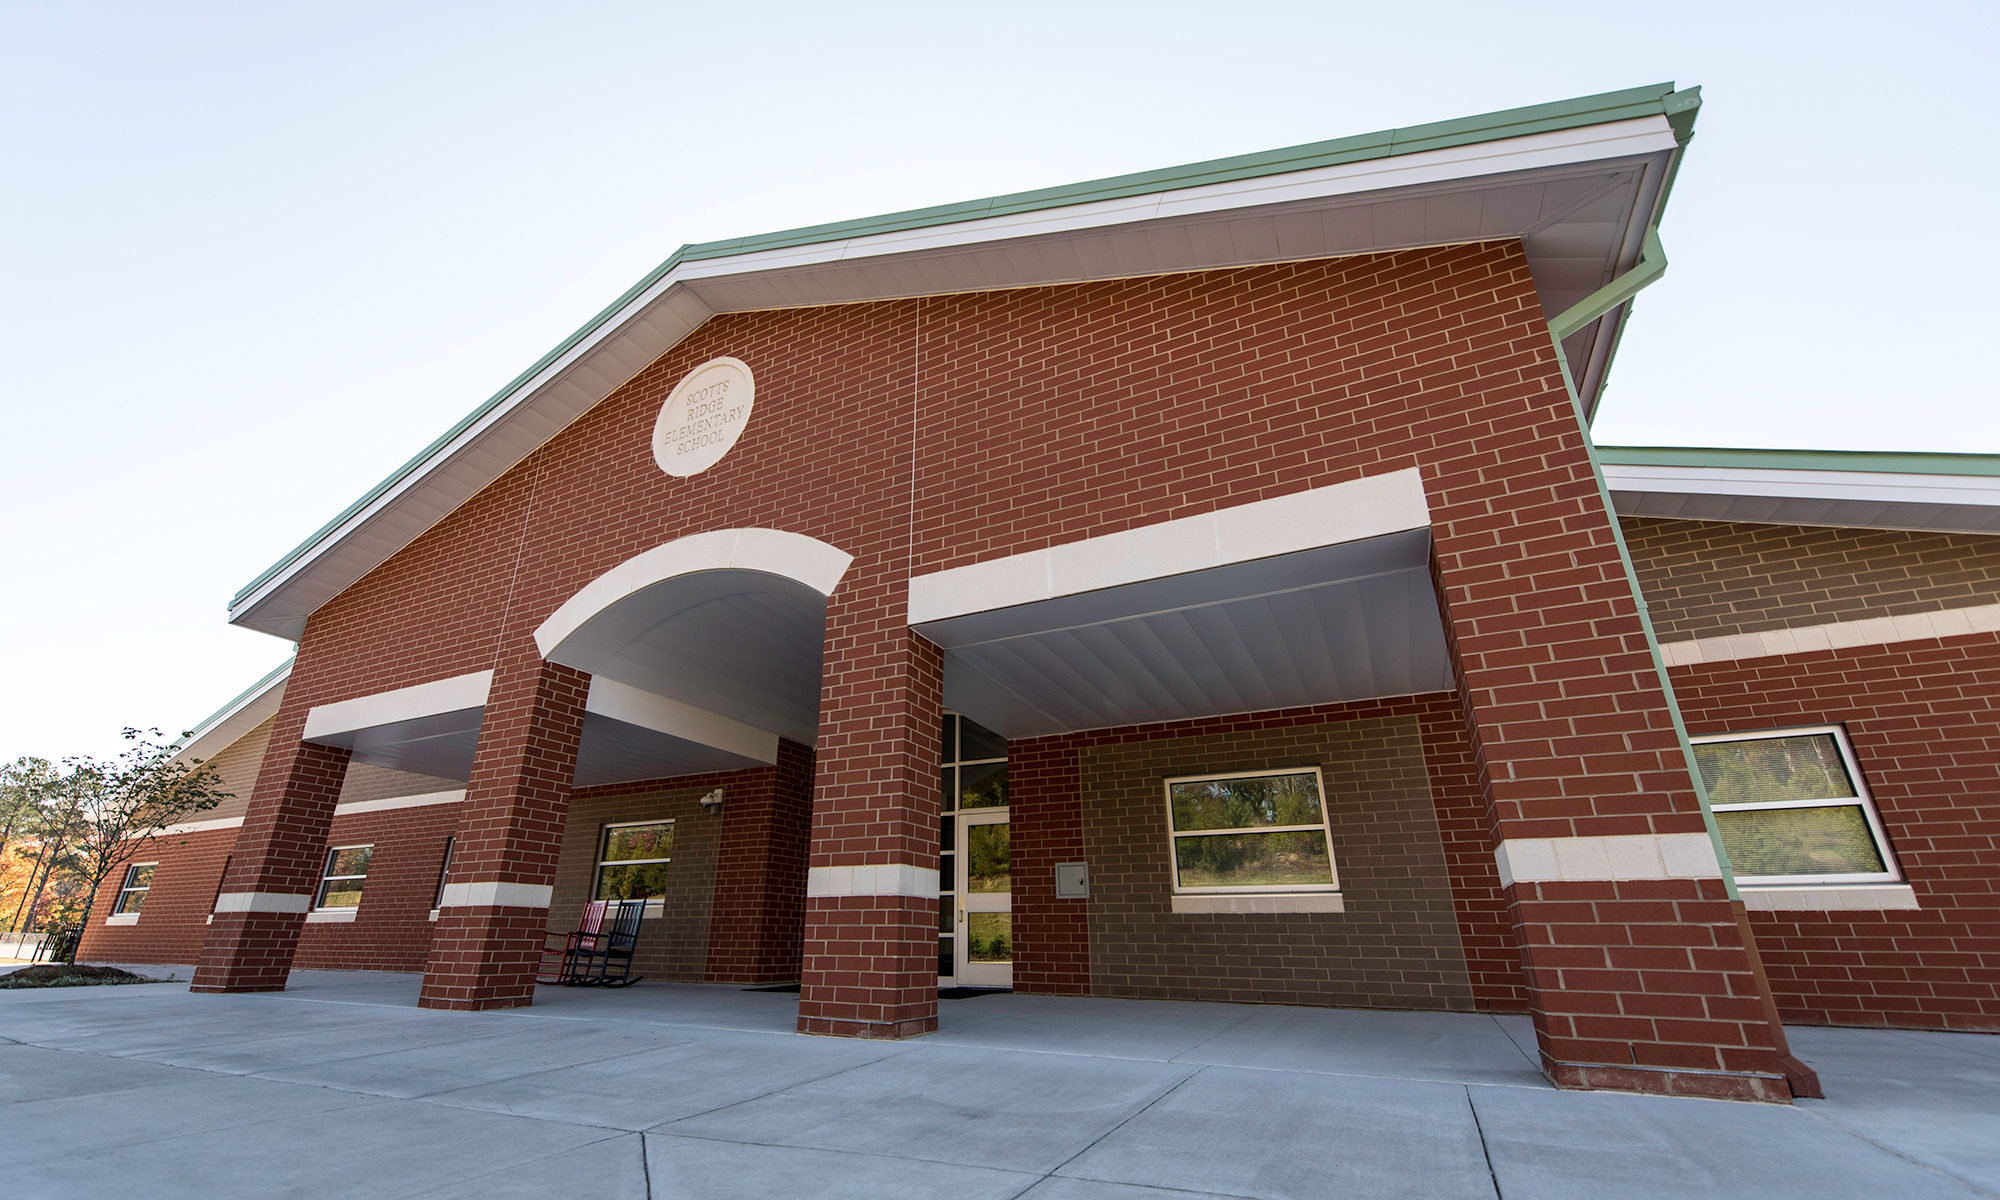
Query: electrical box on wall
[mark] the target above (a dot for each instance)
(1072, 881)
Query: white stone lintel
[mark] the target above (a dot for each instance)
(879, 879)
(1619, 857)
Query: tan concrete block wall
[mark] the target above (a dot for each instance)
(1710, 578)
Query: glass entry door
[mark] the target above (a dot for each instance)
(986, 901)
(975, 900)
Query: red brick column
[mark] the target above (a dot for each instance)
(270, 883)
(871, 935)
(758, 913)
(1637, 973)
(496, 906)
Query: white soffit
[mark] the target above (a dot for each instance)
(1317, 597)
(1392, 502)
(1559, 192)
(1859, 499)
(629, 734)
(433, 729)
(328, 724)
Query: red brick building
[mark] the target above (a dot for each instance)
(1193, 585)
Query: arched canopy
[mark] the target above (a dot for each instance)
(731, 622)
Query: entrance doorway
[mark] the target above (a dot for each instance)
(975, 903)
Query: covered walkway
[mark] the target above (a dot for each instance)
(671, 1090)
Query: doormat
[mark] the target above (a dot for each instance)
(943, 993)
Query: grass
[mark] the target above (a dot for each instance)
(53, 975)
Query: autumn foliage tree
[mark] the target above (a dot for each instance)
(111, 809)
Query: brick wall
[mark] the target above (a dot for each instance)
(1426, 924)
(1924, 720)
(1710, 578)
(391, 931)
(174, 921)
(930, 433)
(675, 944)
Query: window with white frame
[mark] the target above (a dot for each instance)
(633, 860)
(1250, 832)
(132, 892)
(1792, 807)
(346, 870)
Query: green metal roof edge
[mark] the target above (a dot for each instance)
(272, 676)
(1885, 462)
(1656, 99)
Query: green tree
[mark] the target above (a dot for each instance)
(120, 805)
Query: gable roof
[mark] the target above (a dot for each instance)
(1581, 182)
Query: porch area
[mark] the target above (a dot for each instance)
(706, 1091)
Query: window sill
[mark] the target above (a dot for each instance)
(1848, 897)
(1284, 902)
(122, 919)
(434, 913)
(330, 916)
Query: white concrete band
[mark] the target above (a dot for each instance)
(1626, 856)
(1848, 897)
(1834, 635)
(633, 706)
(431, 699)
(1392, 502)
(392, 803)
(262, 902)
(493, 894)
(793, 556)
(882, 879)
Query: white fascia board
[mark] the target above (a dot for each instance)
(439, 696)
(622, 702)
(1392, 502)
(1594, 143)
(1597, 143)
(1871, 486)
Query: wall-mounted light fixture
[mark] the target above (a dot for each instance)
(711, 803)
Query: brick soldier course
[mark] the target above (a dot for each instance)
(1515, 828)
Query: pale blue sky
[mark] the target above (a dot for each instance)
(255, 256)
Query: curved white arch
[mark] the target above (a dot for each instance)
(793, 556)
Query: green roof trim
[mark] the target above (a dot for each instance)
(1678, 107)
(272, 676)
(1885, 462)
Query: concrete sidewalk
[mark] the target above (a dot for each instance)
(341, 1085)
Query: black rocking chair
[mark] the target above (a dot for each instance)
(559, 961)
(604, 958)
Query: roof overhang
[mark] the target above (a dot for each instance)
(1578, 182)
(1939, 493)
(252, 707)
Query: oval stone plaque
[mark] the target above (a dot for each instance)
(703, 417)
